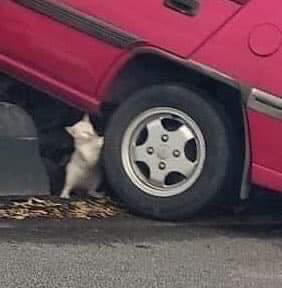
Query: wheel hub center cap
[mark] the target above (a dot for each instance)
(163, 152)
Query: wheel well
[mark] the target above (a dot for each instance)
(150, 69)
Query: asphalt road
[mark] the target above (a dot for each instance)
(215, 250)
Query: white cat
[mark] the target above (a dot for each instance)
(84, 169)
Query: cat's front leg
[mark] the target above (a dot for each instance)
(71, 180)
(94, 193)
(94, 186)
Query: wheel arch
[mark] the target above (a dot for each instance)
(150, 67)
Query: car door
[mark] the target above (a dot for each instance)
(173, 27)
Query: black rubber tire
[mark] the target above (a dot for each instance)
(212, 121)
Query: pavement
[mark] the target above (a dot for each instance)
(219, 249)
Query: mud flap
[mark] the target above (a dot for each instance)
(22, 172)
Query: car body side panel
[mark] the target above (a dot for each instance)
(266, 142)
(71, 64)
(246, 55)
(229, 50)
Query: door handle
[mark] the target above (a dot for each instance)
(189, 7)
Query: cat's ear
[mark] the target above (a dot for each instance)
(86, 118)
(70, 130)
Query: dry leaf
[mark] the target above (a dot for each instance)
(34, 207)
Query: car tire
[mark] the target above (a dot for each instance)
(143, 188)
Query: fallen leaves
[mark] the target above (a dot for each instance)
(40, 208)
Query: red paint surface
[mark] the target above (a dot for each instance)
(70, 64)
(229, 52)
(51, 55)
(78, 68)
(266, 143)
(158, 25)
(265, 39)
(266, 178)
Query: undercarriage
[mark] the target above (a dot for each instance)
(34, 145)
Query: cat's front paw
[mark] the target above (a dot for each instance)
(65, 196)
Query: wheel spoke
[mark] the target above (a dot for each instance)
(140, 153)
(158, 176)
(180, 137)
(155, 131)
(182, 165)
(186, 133)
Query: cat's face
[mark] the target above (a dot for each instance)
(83, 132)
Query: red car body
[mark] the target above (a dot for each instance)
(76, 49)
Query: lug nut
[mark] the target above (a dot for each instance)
(176, 153)
(162, 166)
(165, 138)
(150, 150)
